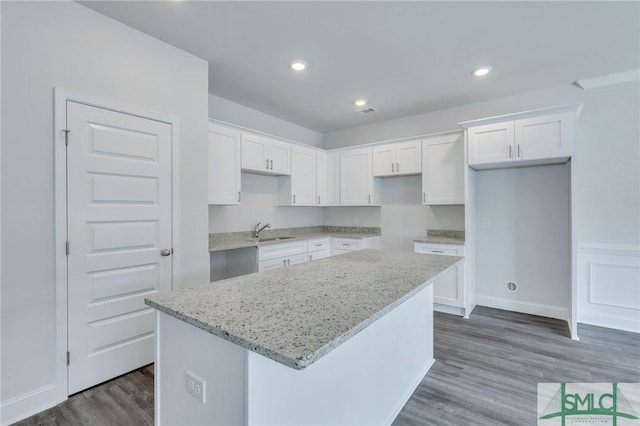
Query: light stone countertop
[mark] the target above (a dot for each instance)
(439, 236)
(253, 242)
(296, 315)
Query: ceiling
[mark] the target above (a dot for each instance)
(404, 57)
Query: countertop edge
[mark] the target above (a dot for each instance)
(238, 244)
(295, 363)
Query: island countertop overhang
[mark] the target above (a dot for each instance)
(297, 315)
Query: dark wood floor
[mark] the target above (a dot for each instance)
(486, 373)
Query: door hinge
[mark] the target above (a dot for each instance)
(68, 357)
(171, 250)
(66, 136)
(67, 248)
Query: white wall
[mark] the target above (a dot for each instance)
(259, 192)
(64, 44)
(527, 239)
(606, 150)
(240, 115)
(259, 205)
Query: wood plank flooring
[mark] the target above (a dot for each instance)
(486, 373)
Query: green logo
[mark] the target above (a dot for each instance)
(588, 403)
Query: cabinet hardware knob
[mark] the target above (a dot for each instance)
(310, 257)
(518, 150)
(294, 198)
(239, 197)
(369, 198)
(267, 166)
(284, 262)
(510, 155)
(397, 167)
(318, 199)
(271, 164)
(424, 197)
(392, 171)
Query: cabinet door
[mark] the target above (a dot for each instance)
(443, 171)
(297, 259)
(384, 160)
(408, 158)
(491, 143)
(448, 287)
(321, 179)
(333, 180)
(543, 137)
(317, 255)
(254, 153)
(224, 165)
(279, 155)
(356, 180)
(267, 265)
(303, 177)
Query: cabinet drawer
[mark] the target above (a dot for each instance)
(349, 244)
(318, 245)
(441, 249)
(319, 254)
(273, 251)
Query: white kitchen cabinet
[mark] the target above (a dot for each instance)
(449, 288)
(358, 187)
(443, 169)
(299, 189)
(280, 255)
(544, 139)
(264, 155)
(318, 248)
(224, 165)
(397, 159)
(321, 178)
(339, 244)
(332, 182)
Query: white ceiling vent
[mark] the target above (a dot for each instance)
(368, 110)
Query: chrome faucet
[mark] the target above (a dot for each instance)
(257, 229)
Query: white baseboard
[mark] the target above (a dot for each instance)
(448, 309)
(548, 311)
(410, 391)
(29, 403)
(609, 321)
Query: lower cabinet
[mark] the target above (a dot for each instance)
(449, 289)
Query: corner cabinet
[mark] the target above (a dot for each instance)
(358, 186)
(397, 159)
(443, 169)
(263, 155)
(449, 292)
(532, 138)
(224, 165)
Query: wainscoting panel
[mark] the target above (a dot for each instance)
(609, 286)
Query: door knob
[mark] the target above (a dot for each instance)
(165, 252)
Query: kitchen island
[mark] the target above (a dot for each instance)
(343, 340)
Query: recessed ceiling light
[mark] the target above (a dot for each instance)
(360, 102)
(298, 65)
(479, 72)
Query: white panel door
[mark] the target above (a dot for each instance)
(279, 155)
(119, 220)
(356, 180)
(543, 137)
(303, 177)
(408, 158)
(384, 160)
(491, 143)
(321, 179)
(254, 153)
(224, 165)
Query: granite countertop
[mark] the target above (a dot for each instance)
(238, 240)
(442, 237)
(297, 315)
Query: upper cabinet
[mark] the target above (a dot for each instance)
(397, 159)
(358, 187)
(261, 154)
(332, 181)
(299, 189)
(443, 169)
(224, 165)
(537, 137)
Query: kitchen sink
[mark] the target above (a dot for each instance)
(264, 240)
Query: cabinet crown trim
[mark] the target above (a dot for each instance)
(574, 108)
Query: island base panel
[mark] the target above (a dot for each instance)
(366, 380)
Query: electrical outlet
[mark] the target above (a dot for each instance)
(446, 222)
(486, 222)
(195, 386)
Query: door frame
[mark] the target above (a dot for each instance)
(61, 96)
